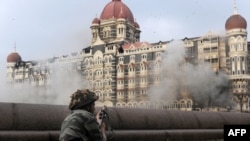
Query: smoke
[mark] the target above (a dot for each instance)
(180, 79)
(63, 80)
(169, 74)
(206, 87)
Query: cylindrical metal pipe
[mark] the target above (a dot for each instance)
(139, 119)
(20, 116)
(24, 121)
(168, 135)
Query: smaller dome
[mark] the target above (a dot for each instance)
(14, 57)
(137, 25)
(235, 21)
(96, 21)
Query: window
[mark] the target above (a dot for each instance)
(109, 82)
(235, 47)
(239, 46)
(144, 56)
(131, 69)
(131, 81)
(158, 54)
(189, 104)
(98, 72)
(143, 66)
(121, 29)
(215, 60)
(106, 60)
(131, 33)
(120, 82)
(98, 84)
(132, 58)
(121, 59)
(106, 32)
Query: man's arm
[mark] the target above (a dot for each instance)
(94, 130)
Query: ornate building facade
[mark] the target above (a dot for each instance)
(121, 69)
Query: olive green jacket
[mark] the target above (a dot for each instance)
(80, 125)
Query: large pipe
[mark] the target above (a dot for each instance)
(168, 135)
(20, 116)
(22, 122)
(139, 119)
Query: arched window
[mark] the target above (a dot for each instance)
(106, 32)
(189, 104)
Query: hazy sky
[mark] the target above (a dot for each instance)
(46, 28)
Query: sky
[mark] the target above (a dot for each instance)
(41, 29)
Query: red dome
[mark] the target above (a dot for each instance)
(96, 21)
(113, 10)
(122, 15)
(236, 21)
(14, 57)
(137, 25)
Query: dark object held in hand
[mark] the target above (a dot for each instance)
(103, 113)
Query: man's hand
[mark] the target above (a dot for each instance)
(99, 117)
(101, 114)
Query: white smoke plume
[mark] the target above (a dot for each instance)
(170, 74)
(201, 83)
(63, 81)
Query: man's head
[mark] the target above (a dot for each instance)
(83, 99)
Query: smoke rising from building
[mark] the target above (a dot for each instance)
(181, 79)
(178, 79)
(63, 80)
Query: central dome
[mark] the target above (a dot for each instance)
(113, 10)
(236, 21)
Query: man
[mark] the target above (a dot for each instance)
(81, 124)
